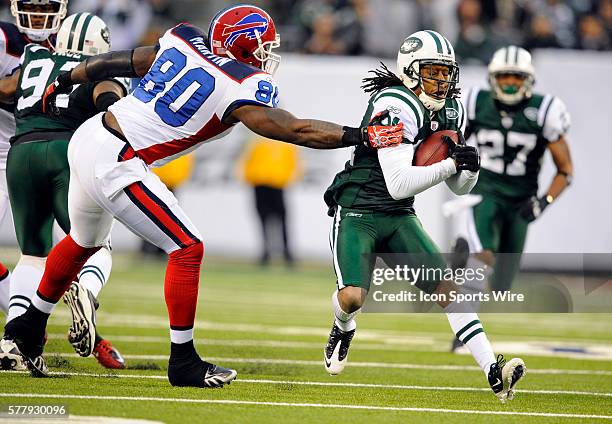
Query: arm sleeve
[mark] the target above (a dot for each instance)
(556, 121)
(259, 89)
(462, 182)
(404, 180)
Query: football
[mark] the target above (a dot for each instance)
(433, 149)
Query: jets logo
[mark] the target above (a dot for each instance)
(531, 113)
(451, 113)
(248, 26)
(411, 44)
(105, 35)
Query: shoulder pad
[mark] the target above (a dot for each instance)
(15, 40)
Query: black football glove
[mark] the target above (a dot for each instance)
(62, 85)
(466, 157)
(533, 207)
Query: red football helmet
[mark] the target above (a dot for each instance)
(245, 33)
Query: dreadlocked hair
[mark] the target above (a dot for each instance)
(383, 78)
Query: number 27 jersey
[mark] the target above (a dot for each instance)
(183, 99)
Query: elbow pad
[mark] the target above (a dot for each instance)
(105, 100)
(110, 65)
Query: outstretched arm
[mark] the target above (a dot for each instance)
(278, 124)
(127, 63)
(8, 86)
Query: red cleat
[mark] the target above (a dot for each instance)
(108, 356)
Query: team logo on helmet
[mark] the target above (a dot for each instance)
(247, 27)
(105, 35)
(411, 44)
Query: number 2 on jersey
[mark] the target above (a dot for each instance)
(183, 99)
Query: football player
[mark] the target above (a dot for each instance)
(38, 176)
(513, 128)
(195, 89)
(35, 22)
(372, 199)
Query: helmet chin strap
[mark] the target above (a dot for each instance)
(431, 103)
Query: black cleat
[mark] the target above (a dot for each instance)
(456, 345)
(187, 369)
(503, 376)
(27, 332)
(461, 253)
(336, 351)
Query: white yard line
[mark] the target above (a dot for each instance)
(332, 384)
(61, 315)
(281, 344)
(304, 405)
(432, 367)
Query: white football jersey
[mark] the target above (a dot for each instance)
(183, 99)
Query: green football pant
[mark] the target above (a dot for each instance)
(38, 175)
(497, 226)
(356, 236)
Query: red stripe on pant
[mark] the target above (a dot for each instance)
(181, 285)
(160, 213)
(63, 264)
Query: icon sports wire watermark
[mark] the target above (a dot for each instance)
(548, 283)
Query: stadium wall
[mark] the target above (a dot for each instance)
(328, 88)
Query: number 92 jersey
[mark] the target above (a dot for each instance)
(183, 99)
(512, 142)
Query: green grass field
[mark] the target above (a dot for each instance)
(271, 325)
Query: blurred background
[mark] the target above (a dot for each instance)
(328, 46)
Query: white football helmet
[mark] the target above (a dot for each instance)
(31, 23)
(83, 33)
(511, 60)
(427, 48)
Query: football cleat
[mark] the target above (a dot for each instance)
(10, 356)
(336, 351)
(107, 355)
(82, 305)
(197, 373)
(503, 377)
(456, 344)
(24, 336)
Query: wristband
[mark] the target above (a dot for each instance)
(355, 136)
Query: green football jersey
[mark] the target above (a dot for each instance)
(512, 141)
(361, 185)
(39, 68)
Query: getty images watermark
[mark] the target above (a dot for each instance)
(557, 283)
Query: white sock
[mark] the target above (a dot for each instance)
(24, 282)
(5, 294)
(469, 330)
(181, 336)
(96, 271)
(344, 320)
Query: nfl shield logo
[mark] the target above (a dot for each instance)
(434, 125)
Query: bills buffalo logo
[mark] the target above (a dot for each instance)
(250, 26)
(411, 44)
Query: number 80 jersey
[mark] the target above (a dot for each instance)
(183, 99)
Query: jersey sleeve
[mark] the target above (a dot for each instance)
(399, 111)
(259, 89)
(556, 121)
(462, 119)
